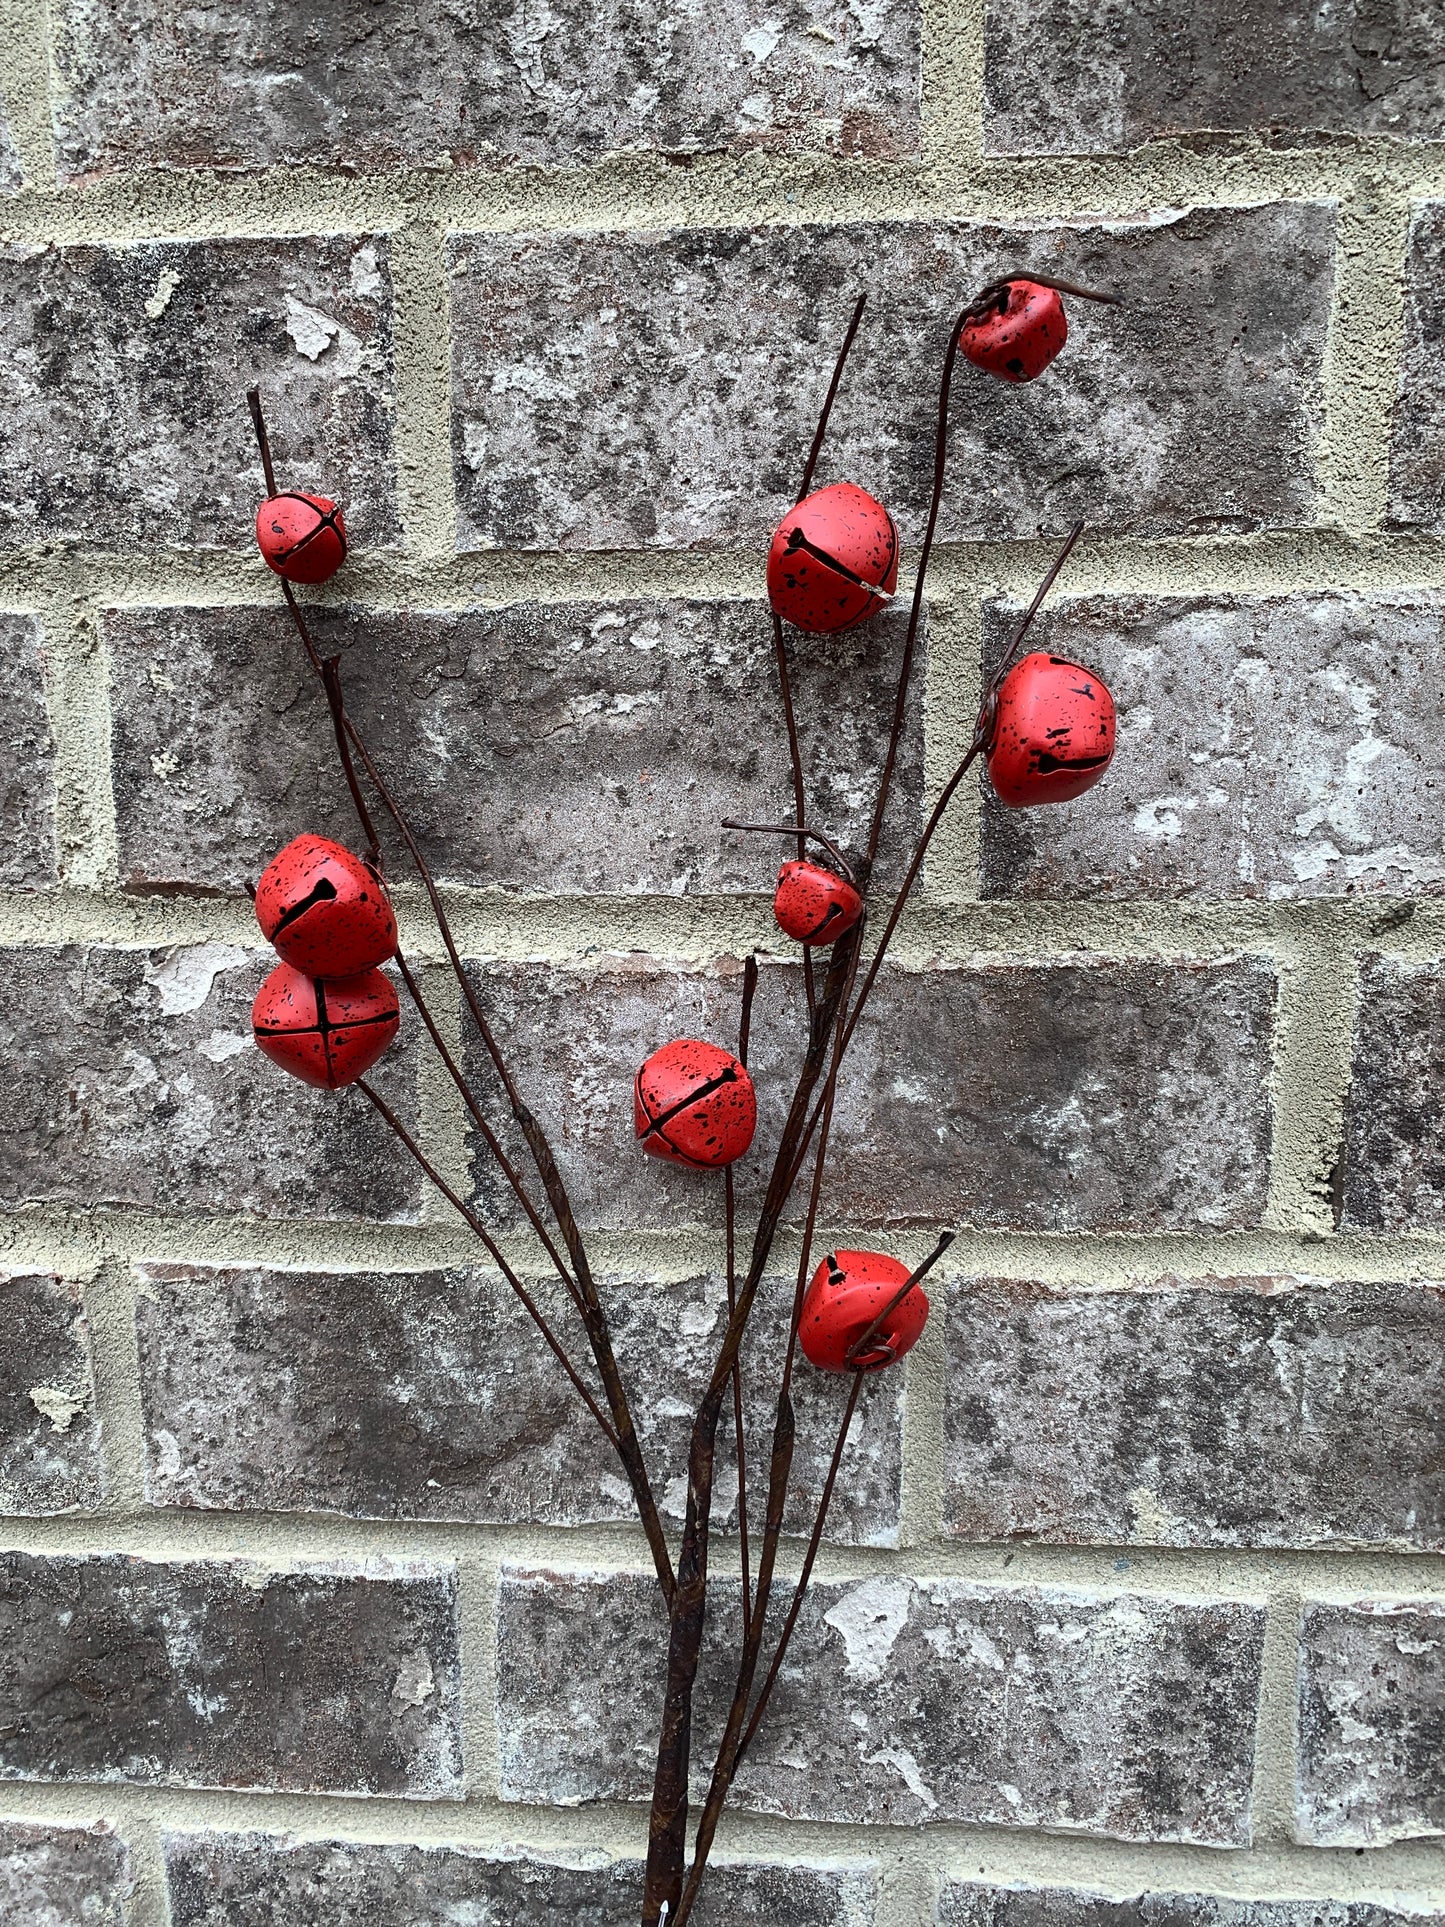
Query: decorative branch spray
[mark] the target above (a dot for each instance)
(327, 1013)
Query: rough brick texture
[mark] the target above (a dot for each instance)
(1246, 1411)
(258, 1880)
(27, 791)
(1053, 1097)
(62, 1877)
(207, 1673)
(1271, 746)
(613, 390)
(142, 1087)
(608, 739)
(431, 1395)
(1394, 1149)
(1417, 445)
(49, 1431)
(974, 1904)
(154, 83)
(1088, 76)
(125, 371)
(1130, 1716)
(1371, 1713)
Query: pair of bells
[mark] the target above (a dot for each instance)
(326, 1013)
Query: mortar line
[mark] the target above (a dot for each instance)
(1313, 1044)
(477, 1580)
(1272, 1795)
(1362, 353)
(951, 698)
(951, 123)
(110, 1302)
(150, 1904)
(647, 191)
(77, 702)
(25, 88)
(423, 423)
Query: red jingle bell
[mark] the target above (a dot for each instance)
(327, 1034)
(301, 536)
(1053, 732)
(324, 909)
(1017, 341)
(694, 1104)
(848, 1291)
(833, 561)
(813, 904)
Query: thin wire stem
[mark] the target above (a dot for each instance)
(494, 1251)
(816, 450)
(857, 1352)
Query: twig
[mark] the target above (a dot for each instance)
(801, 831)
(838, 367)
(795, 756)
(493, 1250)
(750, 985)
(263, 440)
(598, 1334)
(857, 1352)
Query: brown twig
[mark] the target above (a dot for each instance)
(598, 1334)
(493, 1250)
(845, 868)
(816, 450)
(795, 757)
(750, 985)
(857, 1352)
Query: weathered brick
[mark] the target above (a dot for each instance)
(661, 389)
(49, 1431)
(608, 739)
(1052, 1097)
(1417, 442)
(1130, 1716)
(967, 1903)
(141, 1086)
(1394, 1148)
(1276, 1411)
(27, 788)
(1271, 746)
(261, 1880)
(431, 1395)
(1371, 1716)
(125, 370)
(339, 1678)
(1091, 77)
(151, 82)
(63, 1877)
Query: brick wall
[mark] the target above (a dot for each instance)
(317, 1602)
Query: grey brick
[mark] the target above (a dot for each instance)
(662, 389)
(340, 1678)
(431, 1395)
(1417, 441)
(1276, 1411)
(1394, 1148)
(142, 1087)
(49, 1431)
(63, 1877)
(1130, 1716)
(1371, 1720)
(151, 82)
(27, 753)
(609, 740)
(125, 372)
(1269, 746)
(260, 1880)
(1052, 1097)
(1091, 77)
(967, 1903)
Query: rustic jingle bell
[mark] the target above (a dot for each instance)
(1053, 732)
(694, 1103)
(848, 1291)
(327, 1034)
(324, 909)
(1020, 335)
(833, 561)
(813, 904)
(301, 536)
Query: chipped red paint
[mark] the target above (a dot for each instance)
(693, 1103)
(828, 555)
(1020, 342)
(324, 909)
(813, 904)
(848, 1291)
(301, 536)
(327, 1034)
(1053, 734)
